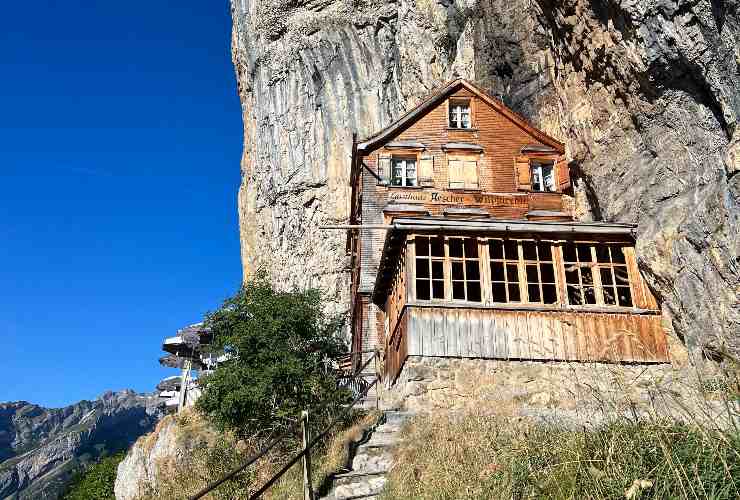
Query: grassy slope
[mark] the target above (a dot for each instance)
(219, 453)
(484, 457)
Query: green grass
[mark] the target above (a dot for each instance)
(483, 457)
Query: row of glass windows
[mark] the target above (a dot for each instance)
(463, 173)
(520, 271)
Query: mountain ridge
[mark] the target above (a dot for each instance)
(41, 447)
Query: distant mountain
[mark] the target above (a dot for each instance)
(41, 447)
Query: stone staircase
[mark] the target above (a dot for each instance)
(371, 462)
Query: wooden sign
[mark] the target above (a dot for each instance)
(437, 197)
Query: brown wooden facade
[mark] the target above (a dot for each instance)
(423, 179)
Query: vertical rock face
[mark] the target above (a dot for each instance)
(646, 95)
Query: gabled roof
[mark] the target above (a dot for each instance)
(442, 93)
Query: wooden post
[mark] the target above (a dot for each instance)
(307, 487)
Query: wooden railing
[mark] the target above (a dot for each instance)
(308, 444)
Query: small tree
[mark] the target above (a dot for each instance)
(94, 482)
(280, 345)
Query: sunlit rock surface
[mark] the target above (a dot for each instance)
(644, 93)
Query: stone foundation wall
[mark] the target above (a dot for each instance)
(573, 393)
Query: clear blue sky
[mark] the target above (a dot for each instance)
(120, 139)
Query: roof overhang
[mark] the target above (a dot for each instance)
(438, 96)
(400, 227)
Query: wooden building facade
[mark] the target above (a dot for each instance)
(464, 244)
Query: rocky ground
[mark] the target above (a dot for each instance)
(40, 447)
(645, 93)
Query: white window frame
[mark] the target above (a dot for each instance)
(404, 161)
(457, 112)
(538, 174)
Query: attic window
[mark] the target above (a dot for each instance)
(543, 176)
(460, 113)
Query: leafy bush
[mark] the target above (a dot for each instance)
(96, 481)
(477, 457)
(281, 345)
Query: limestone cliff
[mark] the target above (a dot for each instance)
(646, 94)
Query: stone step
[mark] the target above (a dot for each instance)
(360, 488)
(398, 417)
(354, 476)
(379, 461)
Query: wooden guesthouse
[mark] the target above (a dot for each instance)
(464, 244)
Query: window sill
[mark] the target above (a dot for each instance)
(404, 187)
(455, 129)
(523, 306)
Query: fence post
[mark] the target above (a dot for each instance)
(307, 485)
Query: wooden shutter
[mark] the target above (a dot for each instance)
(455, 173)
(562, 174)
(523, 175)
(426, 171)
(384, 168)
(470, 173)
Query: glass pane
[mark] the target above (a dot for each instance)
(589, 295)
(530, 250)
(610, 297)
(496, 249)
(497, 271)
(411, 181)
(498, 290)
(471, 248)
(586, 277)
(438, 246)
(514, 293)
(571, 276)
(606, 276)
(474, 291)
(545, 251)
(422, 268)
(621, 275)
(510, 250)
(569, 252)
(549, 294)
(549, 177)
(422, 246)
(547, 273)
(457, 271)
(422, 290)
(618, 254)
(536, 176)
(471, 270)
(534, 293)
(574, 295)
(456, 247)
(584, 252)
(438, 289)
(602, 254)
(512, 273)
(396, 181)
(438, 270)
(625, 296)
(532, 276)
(458, 290)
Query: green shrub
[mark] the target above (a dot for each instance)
(96, 481)
(281, 345)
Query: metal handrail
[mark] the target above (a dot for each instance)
(280, 438)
